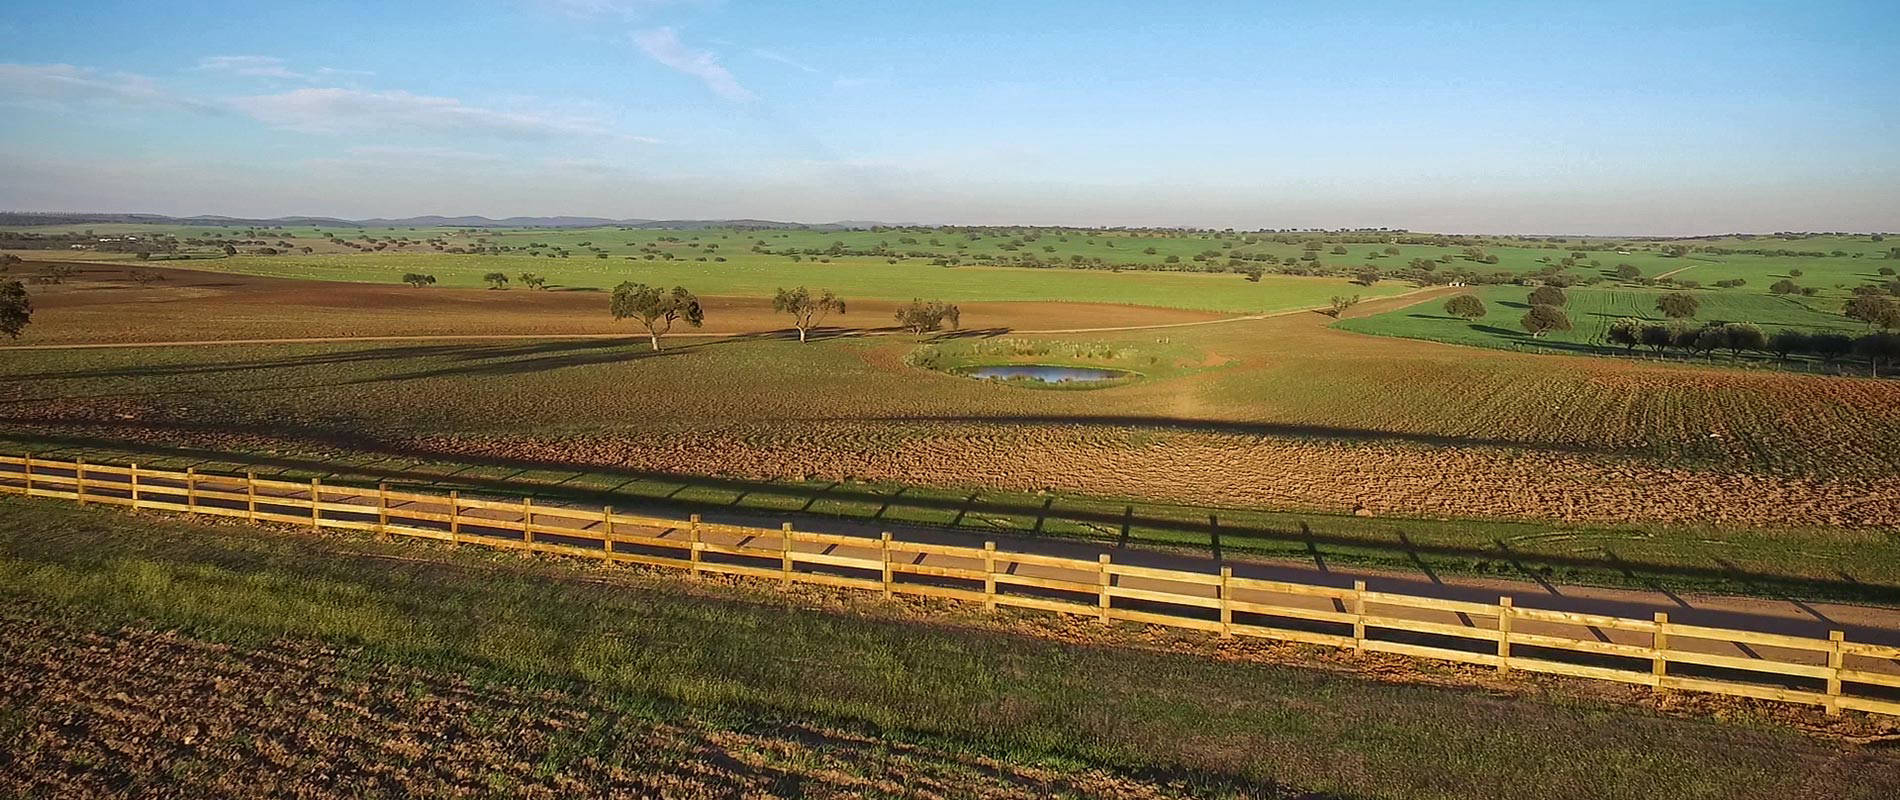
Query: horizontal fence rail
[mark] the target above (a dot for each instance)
(1831, 673)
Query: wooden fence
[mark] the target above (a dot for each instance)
(1832, 673)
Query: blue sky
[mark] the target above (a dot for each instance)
(1601, 117)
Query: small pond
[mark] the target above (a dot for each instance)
(1043, 374)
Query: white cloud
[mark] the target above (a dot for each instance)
(65, 83)
(333, 110)
(781, 58)
(251, 67)
(663, 45)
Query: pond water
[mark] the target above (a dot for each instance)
(1043, 374)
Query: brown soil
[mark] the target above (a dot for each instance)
(139, 713)
(102, 305)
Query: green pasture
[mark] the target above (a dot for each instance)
(853, 278)
(1593, 310)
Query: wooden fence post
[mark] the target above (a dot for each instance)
(1660, 641)
(1504, 635)
(316, 504)
(191, 489)
(693, 529)
(133, 476)
(989, 576)
(1834, 660)
(1358, 615)
(607, 530)
(1226, 609)
(250, 496)
(382, 511)
(455, 516)
(1101, 580)
(785, 555)
(527, 522)
(884, 548)
(79, 480)
(27, 465)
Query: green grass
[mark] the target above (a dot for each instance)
(677, 649)
(1593, 310)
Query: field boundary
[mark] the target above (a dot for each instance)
(1831, 673)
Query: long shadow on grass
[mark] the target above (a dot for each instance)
(1161, 531)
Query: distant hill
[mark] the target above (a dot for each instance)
(428, 221)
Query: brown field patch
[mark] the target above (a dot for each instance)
(102, 304)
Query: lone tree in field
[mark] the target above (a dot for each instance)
(656, 310)
(532, 280)
(921, 316)
(1340, 304)
(1548, 296)
(1784, 286)
(418, 279)
(1678, 305)
(807, 311)
(15, 309)
(1465, 305)
(1542, 319)
(496, 280)
(1628, 272)
(1876, 310)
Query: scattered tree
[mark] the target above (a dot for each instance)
(655, 309)
(1628, 272)
(923, 316)
(532, 280)
(418, 279)
(1368, 277)
(807, 311)
(1880, 311)
(1542, 319)
(1678, 305)
(1548, 296)
(1465, 305)
(1340, 304)
(1784, 286)
(16, 310)
(496, 280)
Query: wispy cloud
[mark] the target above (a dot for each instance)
(663, 45)
(65, 83)
(339, 111)
(626, 9)
(781, 58)
(251, 67)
